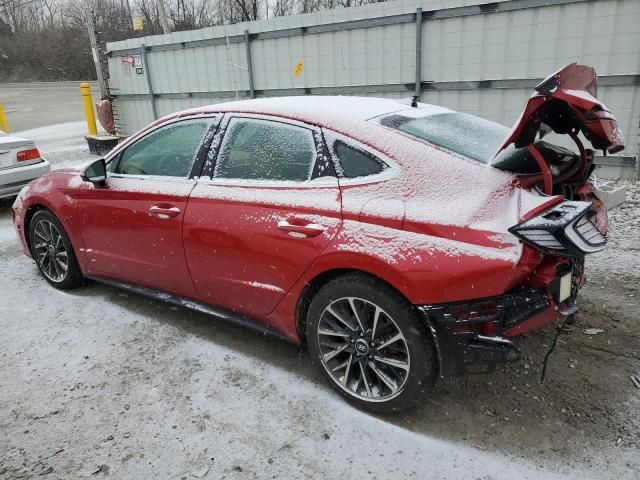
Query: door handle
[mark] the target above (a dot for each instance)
(164, 212)
(307, 230)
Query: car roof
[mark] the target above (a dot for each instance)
(319, 109)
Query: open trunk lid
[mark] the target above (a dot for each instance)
(566, 103)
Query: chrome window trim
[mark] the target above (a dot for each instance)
(264, 116)
(139, 136)
(321, 182)
(165, 178)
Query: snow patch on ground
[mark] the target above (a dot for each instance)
(7, 232)
(620, 257)
(106, 383)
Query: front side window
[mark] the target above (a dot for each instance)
(168, 151)
(255, 149)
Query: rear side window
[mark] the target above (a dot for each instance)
(355, 162)
(255, 149)
(168, 151)
(468, 135)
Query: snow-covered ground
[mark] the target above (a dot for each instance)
(62, 144)
(97, 381)
(621, 255)
(125, 384)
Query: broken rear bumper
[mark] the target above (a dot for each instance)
(472, 337)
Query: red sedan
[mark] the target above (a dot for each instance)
(401, 243)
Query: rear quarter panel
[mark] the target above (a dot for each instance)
(436, 229)
(425, 269)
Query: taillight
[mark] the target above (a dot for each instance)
(31, 154)
(562, 230)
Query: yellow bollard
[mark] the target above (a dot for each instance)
(85, 90)
(3, 120)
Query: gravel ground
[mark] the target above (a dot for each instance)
(99, 382)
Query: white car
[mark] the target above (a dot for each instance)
(20, 162)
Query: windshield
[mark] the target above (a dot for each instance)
(468, 135)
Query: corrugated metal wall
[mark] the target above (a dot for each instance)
(477, 57)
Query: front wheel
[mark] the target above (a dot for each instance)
(370, 344)
(52, 250)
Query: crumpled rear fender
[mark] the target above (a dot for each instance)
(425, 269)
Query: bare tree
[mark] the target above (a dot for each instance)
(282, 8)
(191, 14)
(52, 9)
(47, 39)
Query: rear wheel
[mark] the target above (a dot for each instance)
(370, 344)
(53, 252)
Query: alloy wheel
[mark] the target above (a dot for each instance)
(363, 349)
(49, 251)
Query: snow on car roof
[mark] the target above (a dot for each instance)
(318, 108)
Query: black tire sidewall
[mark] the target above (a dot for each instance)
(422, 372)
(74, 275)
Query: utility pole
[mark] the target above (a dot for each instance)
(163, 16)
(93, 39)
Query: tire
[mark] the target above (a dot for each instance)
(48, 240)
(400, 338)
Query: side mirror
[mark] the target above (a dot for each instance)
(96, 173)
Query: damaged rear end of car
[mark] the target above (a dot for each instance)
(475, 336)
